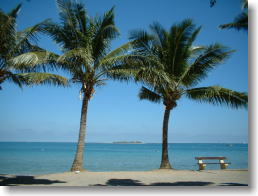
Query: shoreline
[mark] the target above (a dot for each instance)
(159, 177)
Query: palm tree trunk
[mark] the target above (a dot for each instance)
(165, 160)
(78, 160)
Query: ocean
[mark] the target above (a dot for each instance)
(34, 158)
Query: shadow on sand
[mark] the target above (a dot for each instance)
(233, 184)
(25, 180)
(30, 180)
(130, 182)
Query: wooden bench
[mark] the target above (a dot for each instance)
(202, 165)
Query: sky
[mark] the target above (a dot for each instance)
(115, 113)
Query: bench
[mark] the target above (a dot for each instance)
(202, 165)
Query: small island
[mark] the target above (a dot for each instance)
(127, 142)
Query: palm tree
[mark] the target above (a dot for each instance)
(172, 66)
(85, 45)
(241, 21)
(15, 43)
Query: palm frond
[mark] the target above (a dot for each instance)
(139, 68)
(128, 61)
(244, 4)
(209, 58)
(73, 30)
(13, 13)
(194, 50)
(193, 36)
(239, 23)
(14, 62)
(62, 36)
(181, 37)
(142, 42)
(66, 13)
(104, 31)
(25, 38)
(12, 77)
(122, 67)
(81, 15)
(100, 82)
(81, 55)
(218, 96)
(159, 34)
(35, 61)
(7, 34)
(119, 72)
(152, 77)
(43, 78)
(149, 95)
(119, 51)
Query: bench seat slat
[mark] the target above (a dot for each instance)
(210, 158)
(213, 163)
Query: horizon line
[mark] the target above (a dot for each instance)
(128, 143)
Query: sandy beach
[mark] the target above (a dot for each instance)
(139, 178)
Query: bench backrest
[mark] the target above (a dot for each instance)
(210, 158)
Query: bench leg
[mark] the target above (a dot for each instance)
(202, 166)
(223, 166)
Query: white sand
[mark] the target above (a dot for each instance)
(153, 178)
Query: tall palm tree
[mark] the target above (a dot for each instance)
(172, 66)
(15, 43)
(85, 44)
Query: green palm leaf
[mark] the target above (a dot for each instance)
(67, 17)
(43, 78)
(159, 33)
(14, 12)
(118, 51)
(239, 23)
(208, 59)
(35, 61)
(181, 37)
(218, 96)
(19, 55)
(244, 4)
(81, 55)
(104, 31)
(149, 95)
(25, 37)
(7, 34)
(14, 78)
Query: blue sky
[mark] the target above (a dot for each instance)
(46, 113)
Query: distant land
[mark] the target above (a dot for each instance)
(127, 142)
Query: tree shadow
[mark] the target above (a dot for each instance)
(123, 182)
(131, 182)
(25, 180)
(233, 184)
(183, 183)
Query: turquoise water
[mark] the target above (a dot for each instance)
(33, 158)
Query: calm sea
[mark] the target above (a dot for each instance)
(33, 158)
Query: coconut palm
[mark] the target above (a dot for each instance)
(241, 21)
(85, 44)
(172, 66)
(15, 43)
